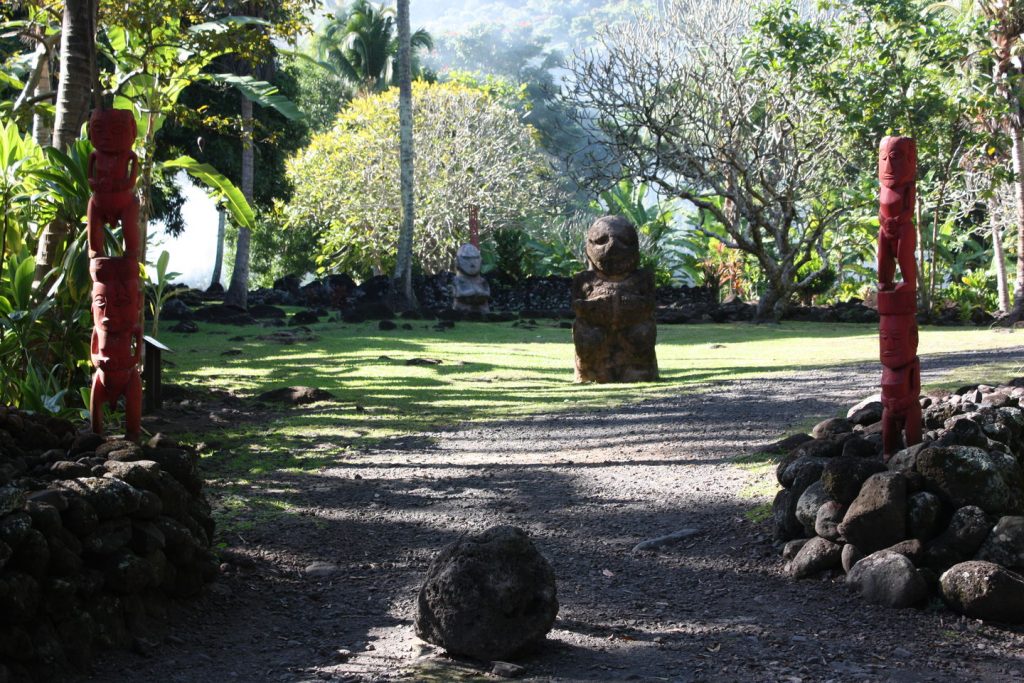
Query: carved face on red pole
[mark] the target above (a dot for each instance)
(115, 306)
(897, 340)
(613, 246)
(115, 294)
(897, 161)
(112, 130)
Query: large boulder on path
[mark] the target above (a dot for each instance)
(984, 590)
(877, 517)
(487, 596)
(888, 578)
(964, 475)
(1005, 544)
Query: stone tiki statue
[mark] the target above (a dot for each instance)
(614, 331)
(470, 291)
(116, 349)
(113, 169)
(117, 344)
(897, 301)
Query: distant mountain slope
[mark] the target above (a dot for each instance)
(566, 22)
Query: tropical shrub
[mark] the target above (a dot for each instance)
(469, 150)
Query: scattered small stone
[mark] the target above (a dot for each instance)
(507, 669)
(295, 395)
(321, 570)
(423, 361)
(668, 539)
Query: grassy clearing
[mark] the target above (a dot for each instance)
(497, 371)
(487, 372)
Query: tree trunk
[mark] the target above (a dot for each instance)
(999, 260)
(41, 131)
(773, 304)
(402, 296)
(218, 260)
(238, 290)
(1017, 152)
(74, 90)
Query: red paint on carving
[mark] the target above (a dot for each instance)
(897, 301)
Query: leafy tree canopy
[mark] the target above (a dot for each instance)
(469, 150)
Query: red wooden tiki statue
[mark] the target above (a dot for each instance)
(897, 301)
(897, 239)
(116, 290)
(116, 341)
(113, 168)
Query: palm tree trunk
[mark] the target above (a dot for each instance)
(402, 296)
(1017, 152)
(218, 260)
(238, 290)
(41, 131)
(74, 90)
(998, 260)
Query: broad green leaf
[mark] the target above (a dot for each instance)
(22, 285)
(225, 24)
(237, 205)
(262, 93)
(161, 265)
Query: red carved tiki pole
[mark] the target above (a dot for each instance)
(474, 225)
(116, 348)
(113, 169)
(897, 302)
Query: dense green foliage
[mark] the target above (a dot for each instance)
(470, 150)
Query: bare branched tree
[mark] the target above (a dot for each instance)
(680, 101)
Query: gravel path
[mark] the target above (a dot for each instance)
(587, 487)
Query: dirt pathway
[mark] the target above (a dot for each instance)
(587, 487)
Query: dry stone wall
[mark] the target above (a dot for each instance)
(95, 537)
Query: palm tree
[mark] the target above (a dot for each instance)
(74, 93)
(362, 46)
(402, 296)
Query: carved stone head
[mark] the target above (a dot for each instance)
(468, 260)
(897, 161)
(112, 130)
(613, 246)
(115, 294)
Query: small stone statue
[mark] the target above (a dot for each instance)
(113, 169)
(614, 331)
(897, 239)
(116, 349)
(471, 293)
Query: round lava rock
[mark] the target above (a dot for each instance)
(487, 596)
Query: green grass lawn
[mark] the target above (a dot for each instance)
(498, 371)
(487, 372)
